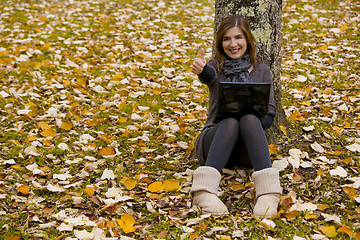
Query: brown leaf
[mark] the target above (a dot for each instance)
(162, 234)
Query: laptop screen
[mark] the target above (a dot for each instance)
(239, 98)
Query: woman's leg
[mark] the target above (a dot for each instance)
(219, 143)
(266, 178)
(252, 133)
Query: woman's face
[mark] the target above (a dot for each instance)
(234, 43)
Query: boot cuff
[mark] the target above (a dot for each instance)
(206, 179)
(267, 182)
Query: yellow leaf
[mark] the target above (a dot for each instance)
(90, 190)
(45, 47)
(171, 184)
(343, 27)
(38, 65)
(273, 148)
(66, 82)
(237, 186)
(118, 77)
(47, 142)
(125, 222)
(43, 18)
(329, 231)
(122, 119)
(347, 161)
(24, 189)
(337, 129)
(110, 224)
(324, 47)
(283, 129)
(107, 151)
(17, 167)
(129, 183)
(143, 149)
(66, 125)
(345, 230)
(31, 138)
(357, 236)
(337, 152)
(92, 122)
(328, 91)
(296, 116)
(291, 214)
(305, 103)
(310, 216)
(44, 126)
(155, 187)
(48, 133)
(351, 192)
(322, 207)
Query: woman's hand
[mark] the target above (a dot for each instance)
(199, 63)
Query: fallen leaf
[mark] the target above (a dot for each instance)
(129, 183)
(155, 187)
(107, 151)
(126, 223)
(171, 184)
(329, 231)
(24, 189)
(66, 125)
(49, 133)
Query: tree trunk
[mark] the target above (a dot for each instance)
(265, 21)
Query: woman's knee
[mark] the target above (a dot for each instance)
(249, 120)
(230, 123)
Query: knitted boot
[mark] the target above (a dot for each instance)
(268, 191)
(204, 190)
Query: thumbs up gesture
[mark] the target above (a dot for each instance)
(199, 63)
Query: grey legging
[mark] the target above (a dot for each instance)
(233, 142)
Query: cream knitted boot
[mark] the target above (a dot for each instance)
(268, 191)
(204, 190)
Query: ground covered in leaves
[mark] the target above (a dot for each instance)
(99, 113)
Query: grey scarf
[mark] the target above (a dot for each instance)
(237, 70)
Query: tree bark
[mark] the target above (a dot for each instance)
(265, 21)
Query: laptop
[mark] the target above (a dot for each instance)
(239, 98)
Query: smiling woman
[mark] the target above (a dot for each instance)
(238, 140)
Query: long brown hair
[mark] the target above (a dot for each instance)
(227, 23)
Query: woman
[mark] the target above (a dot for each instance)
(234, 142)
